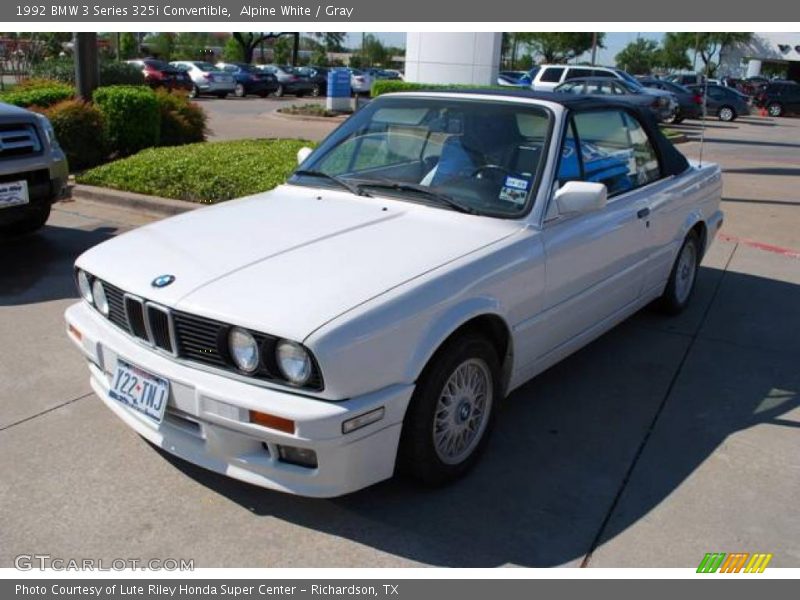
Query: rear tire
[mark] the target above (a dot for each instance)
(682, 278)
(316, 91)
(194, 92)
(726, 114)
(775, 109)
(280, 92)
(451, 413)
(239, 91)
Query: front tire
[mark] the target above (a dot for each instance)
(279, 92)
(727, 114)
(680, 285)
(451, 413)
(194, 92)
(239, 91)
(30, 223)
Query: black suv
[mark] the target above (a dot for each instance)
(780, 98)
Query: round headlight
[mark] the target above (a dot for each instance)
(85, 286)
(243, 349)
(100, 300)
(293, 361)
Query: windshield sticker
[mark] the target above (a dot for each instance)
(515, 190)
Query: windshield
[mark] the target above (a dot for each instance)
(478, 156)
(629, 79)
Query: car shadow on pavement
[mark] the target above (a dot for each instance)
(751, 142)
(779, 171)
(586, 449)
(38, 267)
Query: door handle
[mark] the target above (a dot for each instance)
(643, 212)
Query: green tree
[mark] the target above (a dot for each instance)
(332, 40)
(672, 56)
(556, 47)
(282, 50)
(638, 57)
(161, 44)
(128, 46)
(710, 45)
(191, 45)
(232, 51)
(373, 52)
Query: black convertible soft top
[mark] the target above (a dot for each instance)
(672, 161)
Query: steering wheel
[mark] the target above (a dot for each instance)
(489, 167)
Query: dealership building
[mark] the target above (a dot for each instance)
(779, 51)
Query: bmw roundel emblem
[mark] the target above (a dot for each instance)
(162, 281)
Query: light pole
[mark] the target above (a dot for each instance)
(87, 72)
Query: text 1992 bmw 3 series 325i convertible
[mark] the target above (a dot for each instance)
(431, 255)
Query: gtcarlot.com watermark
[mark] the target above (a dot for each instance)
(43, 562)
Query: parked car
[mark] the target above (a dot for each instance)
(360, 81)
(545, 78)
(249, 80)
(206, 78)
(289, 82)
(376, 74)
(690, 103)
(318, 76)
(780, 98)
(158, 73)
(663, 105)
(686, 79)
(512, 78)
(33, 170)
(725, 103)
(433, 254)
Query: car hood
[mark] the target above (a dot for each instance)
(290, 260)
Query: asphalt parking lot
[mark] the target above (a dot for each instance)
(663, 440)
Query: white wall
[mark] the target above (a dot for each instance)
(457, 58)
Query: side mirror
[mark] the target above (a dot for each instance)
(303, 154)
(580, 197)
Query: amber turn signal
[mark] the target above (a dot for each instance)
(271, 421)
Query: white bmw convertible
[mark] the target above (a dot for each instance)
(434, 253)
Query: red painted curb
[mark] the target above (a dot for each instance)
(760, 245)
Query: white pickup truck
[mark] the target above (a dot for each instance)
(432, 254)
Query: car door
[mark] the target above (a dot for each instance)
(595, 260)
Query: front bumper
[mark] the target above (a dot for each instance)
(216, 87)
(45, 186)
(207, 419)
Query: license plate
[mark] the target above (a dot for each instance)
(13, 193)
(140, 390)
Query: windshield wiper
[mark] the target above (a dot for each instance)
(439, 197)
(351, 187)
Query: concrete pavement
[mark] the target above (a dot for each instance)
(663, 440)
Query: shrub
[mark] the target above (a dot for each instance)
(57, 69)
(131, 116)
(80, 131)
(182, 121)
(209, 172)
(118, 73)
(387, 86)
(111, 72)
(38, 96)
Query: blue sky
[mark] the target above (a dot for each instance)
(614, 42)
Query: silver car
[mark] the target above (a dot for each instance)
(33, 170)
(207, 78)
